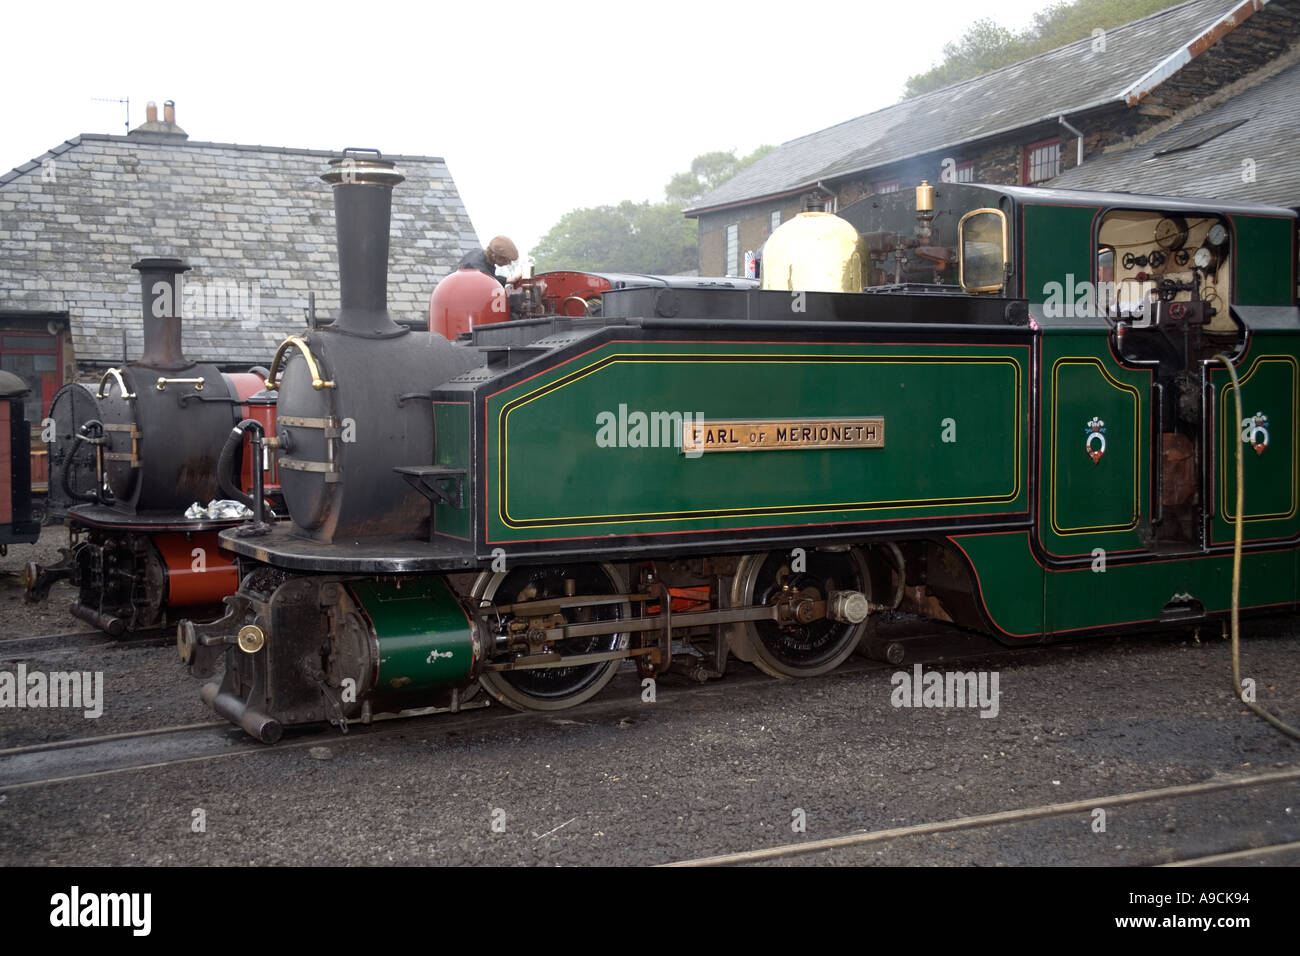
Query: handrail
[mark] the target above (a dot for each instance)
(301, 344)
(116, 375)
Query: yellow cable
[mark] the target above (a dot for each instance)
(1236, 569)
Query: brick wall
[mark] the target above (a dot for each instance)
(755, 226)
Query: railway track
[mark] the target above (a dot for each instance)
(16, 648)
(1256, 854)
(67, 761)
(1012, 817)
(71, 760)
(57, 770)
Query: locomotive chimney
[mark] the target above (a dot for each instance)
(160, 297)
(363, 184)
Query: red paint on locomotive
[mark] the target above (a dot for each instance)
(466, 299)
(246, 385)
(194, 578)
(567, 293)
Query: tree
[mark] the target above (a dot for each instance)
(986, 46)
(640, 237)
(629, 237)
(709, 171)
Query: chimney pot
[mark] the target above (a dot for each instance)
(169, 111)
(151, 112)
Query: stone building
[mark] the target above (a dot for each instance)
(1237, 145)
(1028, 123)
(255, 223)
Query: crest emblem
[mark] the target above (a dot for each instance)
(1254, 432)
(1096, 436)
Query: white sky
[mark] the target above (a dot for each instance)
(537, 108)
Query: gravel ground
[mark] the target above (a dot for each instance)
(701, 771)
(19, 619)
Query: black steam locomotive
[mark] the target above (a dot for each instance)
(130, 456)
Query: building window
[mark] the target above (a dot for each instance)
(887, 186)
(775, 221)
(731, 256)
(965, 172)
(1042, 161)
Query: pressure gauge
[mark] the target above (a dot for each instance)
(1218, 234)
(1203, 258)
(1171, 233)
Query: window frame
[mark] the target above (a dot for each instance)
(1027, 154)
(961, 250)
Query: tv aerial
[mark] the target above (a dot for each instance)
(126, 102)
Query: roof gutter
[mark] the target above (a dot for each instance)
(704, 210)
(1077, 132)
(1181, 57)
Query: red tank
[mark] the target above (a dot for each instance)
(259, 404)
(464, 300)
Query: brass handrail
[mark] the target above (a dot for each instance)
(301, 344)
(115, 375)
(196, 382)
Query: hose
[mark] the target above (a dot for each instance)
(1236, 572)
(226, 464)
(97, 495)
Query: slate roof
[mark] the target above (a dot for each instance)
(255, 221)
(1259, 125)
(1067, 80)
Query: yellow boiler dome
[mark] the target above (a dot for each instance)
(813, 252)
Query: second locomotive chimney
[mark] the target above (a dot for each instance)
(363, 184)
(160, 298)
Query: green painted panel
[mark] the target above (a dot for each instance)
(1086, 503)
(424, 635)
(1009, 575)
(1009, 580)
(1270, 387)
(1265, 260)
(1057, 242)
(451, 429)
(559, 478)
(1096, 424)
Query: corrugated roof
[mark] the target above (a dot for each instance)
(1254, 159)
(1066, 80)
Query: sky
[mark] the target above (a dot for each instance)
(537, 108)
